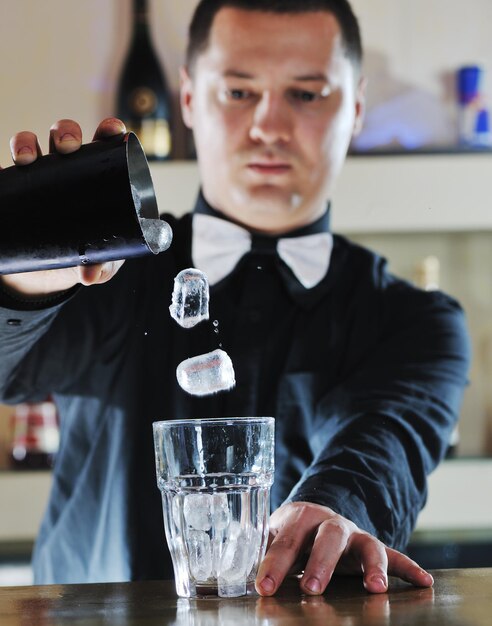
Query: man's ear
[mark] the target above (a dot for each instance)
(360, 105)
(186, 96)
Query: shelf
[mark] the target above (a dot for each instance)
(456, 501)
(436, 150)
(446, 192)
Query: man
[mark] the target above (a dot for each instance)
(363, 373)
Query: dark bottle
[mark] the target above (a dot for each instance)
(144, 99)
(190, 147)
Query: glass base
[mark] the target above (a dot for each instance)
(232, 591)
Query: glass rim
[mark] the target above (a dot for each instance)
(198, 421)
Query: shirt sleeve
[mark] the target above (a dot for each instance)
(47, 343)
(394, 415)
(72, 344)
(20, 330)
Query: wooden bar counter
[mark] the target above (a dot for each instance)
(459, 598)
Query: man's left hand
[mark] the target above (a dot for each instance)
(333, 543)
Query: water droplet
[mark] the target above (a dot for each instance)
(259, 267)
(216, 331)
(215, 323)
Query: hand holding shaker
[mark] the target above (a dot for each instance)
(91, 206)
(215, 477)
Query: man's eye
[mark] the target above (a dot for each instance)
(304, 96)
(237, 94)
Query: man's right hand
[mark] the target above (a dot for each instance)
(65, 137)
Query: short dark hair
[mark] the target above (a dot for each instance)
(205, 12)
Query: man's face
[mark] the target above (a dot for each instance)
(273, 102)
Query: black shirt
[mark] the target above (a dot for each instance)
(364, 374)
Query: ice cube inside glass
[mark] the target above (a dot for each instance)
(215, 477)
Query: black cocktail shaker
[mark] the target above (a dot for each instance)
(94, 205)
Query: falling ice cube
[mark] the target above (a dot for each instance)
(206, 373)
(199, 554)
(157, 234)
(197, 510)
(190, 298)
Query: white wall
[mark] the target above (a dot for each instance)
(413, 48)
(60, 58)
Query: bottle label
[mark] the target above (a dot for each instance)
(161, 138)
(155, 137)
(143, 101)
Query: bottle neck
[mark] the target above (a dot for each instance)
(140, 14)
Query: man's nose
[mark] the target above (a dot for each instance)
(272, 121)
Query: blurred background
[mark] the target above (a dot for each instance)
(413, 190)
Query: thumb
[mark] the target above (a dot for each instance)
(100, 273)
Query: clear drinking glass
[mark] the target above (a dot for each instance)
(215, 477)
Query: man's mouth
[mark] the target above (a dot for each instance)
(269, 167)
